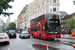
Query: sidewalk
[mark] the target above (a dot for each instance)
(67, 36)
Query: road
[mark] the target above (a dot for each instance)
(36, 44)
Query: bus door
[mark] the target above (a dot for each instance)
(38, 30)
(43, 32)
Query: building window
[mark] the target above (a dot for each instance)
(50, 1)
(40, 5)
(34, 9)
(54, 1)
(40, 12)
(37, 7)
(45, 10)
(54, 8)
(44, 2)
(24, 10)
(57, 1)
(50, 8)
(35, 14)
(57, 9)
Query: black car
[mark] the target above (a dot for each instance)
(12, 33)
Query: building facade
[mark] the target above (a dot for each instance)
(38, 7)
(64, 21)
(19, 22)
(62, 14)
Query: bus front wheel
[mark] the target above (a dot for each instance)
(32, 35)
(40, 37)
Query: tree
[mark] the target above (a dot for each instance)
(11, 26)
(71, 23)
(4, 6)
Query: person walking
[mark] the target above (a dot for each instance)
(63, 32)
(70, 32)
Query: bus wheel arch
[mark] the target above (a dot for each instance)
(32, 35)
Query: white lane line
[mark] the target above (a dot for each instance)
(8, 48)
(31, 47)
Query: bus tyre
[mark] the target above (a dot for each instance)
(29, 37)
(40, 37)
(32, 35)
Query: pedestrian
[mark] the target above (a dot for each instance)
(70, 32)
(63, 33)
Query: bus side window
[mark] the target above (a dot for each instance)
(32, 29)
(35, 29)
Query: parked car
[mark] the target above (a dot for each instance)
(24, 34)
(4, 38)
(12, 33)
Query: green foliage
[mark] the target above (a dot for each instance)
(74, 2)
(71, 23)
(4, 6)
(11, 26)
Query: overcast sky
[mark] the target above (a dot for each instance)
(65, 5)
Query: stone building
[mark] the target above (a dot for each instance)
(64, 21)
(38, 7)
(19, 23)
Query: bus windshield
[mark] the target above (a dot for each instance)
(52, 24)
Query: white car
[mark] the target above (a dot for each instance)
(24, 34)
(4, 38)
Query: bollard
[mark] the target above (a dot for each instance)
(74, 45)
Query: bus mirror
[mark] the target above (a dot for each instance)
(43, 27)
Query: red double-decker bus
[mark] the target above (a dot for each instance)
(45, 26)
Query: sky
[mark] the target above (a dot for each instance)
(65, 5)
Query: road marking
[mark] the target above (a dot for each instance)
(8, 48)
(31, 47)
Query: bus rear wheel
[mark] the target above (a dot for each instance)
(40, 37)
